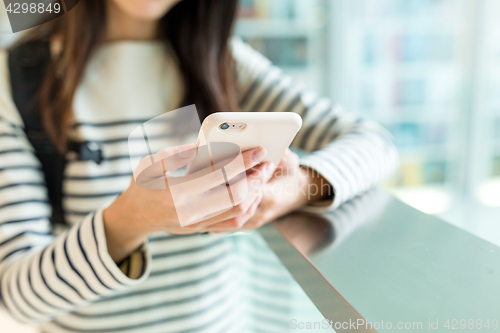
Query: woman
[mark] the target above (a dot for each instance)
(122, 266)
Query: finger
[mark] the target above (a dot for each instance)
(243, 195)
(284, 158)
(236, 211)
(176, 157)
(237, 222)
(192, 209)
(268, 171)
(287, 165)
(255, 221)
(206, 179)
(251, 182)
(250, 158)
(213, 206)
(195, 208)
(150, 172)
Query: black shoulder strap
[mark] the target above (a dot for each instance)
(27, 65)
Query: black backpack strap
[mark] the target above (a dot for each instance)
(28, 64)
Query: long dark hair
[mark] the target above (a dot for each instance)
(197, 30)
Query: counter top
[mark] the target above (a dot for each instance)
(378, 260)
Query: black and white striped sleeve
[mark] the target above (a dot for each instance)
(351, 153)
(43, 276)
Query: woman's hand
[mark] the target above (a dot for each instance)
(148, 205)
(290, 187)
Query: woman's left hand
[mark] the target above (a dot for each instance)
(290, 187)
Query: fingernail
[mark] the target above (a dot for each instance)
(259, 154)
(186, 151)
(269, 170)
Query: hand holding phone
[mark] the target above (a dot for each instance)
(273, 131)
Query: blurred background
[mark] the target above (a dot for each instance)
(428, 70)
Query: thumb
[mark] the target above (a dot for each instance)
(176, 157)
(168, 159)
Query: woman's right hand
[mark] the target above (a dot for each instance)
(148, 204)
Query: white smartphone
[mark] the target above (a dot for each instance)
(273, 131)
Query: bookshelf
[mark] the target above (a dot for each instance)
(288, 32)
(428, 70)
(405, 64)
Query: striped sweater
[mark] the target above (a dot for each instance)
(66, 281)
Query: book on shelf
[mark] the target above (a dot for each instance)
(415, 172)
(414, 48)
(411, 92)
(496, 128)
(267, 9)
(406, 48)
(282, 51)
(415, 134)
(410, 174)
(495, 166)
(276, 9)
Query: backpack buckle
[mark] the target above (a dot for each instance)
(87, 151)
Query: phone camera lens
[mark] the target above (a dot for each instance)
(224, 126)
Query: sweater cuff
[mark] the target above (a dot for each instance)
(135, 264)
(335, 180)
(73, 271)
(95, 249)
